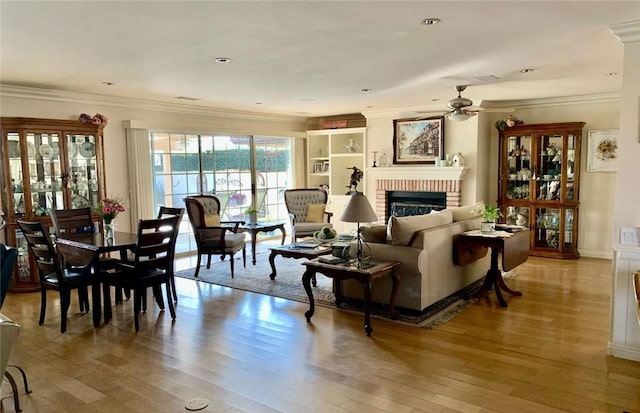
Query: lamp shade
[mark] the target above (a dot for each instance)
(358, 210)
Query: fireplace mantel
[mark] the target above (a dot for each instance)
(435, 173)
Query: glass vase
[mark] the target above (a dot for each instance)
(109, 229)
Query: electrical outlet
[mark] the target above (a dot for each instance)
(630, 236)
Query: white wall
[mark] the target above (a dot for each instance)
(33, 103)
(458, 137)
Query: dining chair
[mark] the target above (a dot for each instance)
(71, 220)
(307, 211)
(9, 329)
(151, 264)
(212, 235)
(163, 212)
(8, 258)
(52, 274)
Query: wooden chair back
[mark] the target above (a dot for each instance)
(154, 248)
(41, 246)
(72, 220)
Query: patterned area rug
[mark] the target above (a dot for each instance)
(288, 284)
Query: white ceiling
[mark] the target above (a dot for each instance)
(313, 58)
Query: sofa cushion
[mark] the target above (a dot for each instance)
(464, 212)
(374, 233)
(403, 229)
(315, 212)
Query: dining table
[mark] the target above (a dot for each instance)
(120, 243)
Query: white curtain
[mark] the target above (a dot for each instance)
(140, 177)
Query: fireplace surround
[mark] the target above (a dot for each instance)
(447, 180)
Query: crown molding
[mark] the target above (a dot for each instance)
(627, 32)
(135, 103)
(555, 101)
(505, 106)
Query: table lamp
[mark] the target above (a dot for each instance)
(358, 210)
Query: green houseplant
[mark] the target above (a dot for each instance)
(252, 215)
(490, 215)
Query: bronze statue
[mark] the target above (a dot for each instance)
(356, 177)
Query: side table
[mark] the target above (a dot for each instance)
(340, 272)
(515, 251)
(253, 229)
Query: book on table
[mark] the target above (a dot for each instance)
(305, 244)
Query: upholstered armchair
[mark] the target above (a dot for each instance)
(212, 235)
(307, 211)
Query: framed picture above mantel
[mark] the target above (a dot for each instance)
(418, 141)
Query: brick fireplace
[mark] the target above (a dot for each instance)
(421, 179)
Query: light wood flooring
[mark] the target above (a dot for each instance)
(247, 352)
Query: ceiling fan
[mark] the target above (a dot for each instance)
(461, 107)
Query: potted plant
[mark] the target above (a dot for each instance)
(252, 215)
(490, 215)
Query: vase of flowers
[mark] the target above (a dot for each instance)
(109, 208)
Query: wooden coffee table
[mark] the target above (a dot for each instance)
(340, 272)
(292, 251)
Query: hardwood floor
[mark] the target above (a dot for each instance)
(247, 352)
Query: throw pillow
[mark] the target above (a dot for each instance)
(315, 212)
(212, 220)
(374, 233)
(404, 228)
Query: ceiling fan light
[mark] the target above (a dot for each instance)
(459, 115)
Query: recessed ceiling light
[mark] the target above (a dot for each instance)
(365, 90)
(107, 83)
(435, 100)
(611, 74)
(370, 106)
(187, 98)
(526, 70)
(258, 103)
(222, 60)
(430, 21)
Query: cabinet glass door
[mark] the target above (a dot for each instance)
(547, 228)
(15, 172)
(82, 178)
(570, 167)
(569, 228)
(23, 263)
(518, 167)
(45, 172)
(517, 216)
(549, 173)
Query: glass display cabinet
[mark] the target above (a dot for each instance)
(47, 164)
(538, 184)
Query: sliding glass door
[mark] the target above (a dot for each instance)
(242, 171)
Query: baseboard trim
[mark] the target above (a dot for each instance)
(607, 255)
(623, 352)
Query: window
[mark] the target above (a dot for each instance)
(226, 166)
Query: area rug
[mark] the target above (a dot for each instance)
(288, 284)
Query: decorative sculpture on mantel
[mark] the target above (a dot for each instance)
(356, 177)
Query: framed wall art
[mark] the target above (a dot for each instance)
(602, 148)
(418, 141)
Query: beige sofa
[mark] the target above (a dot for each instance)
(424, 245)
